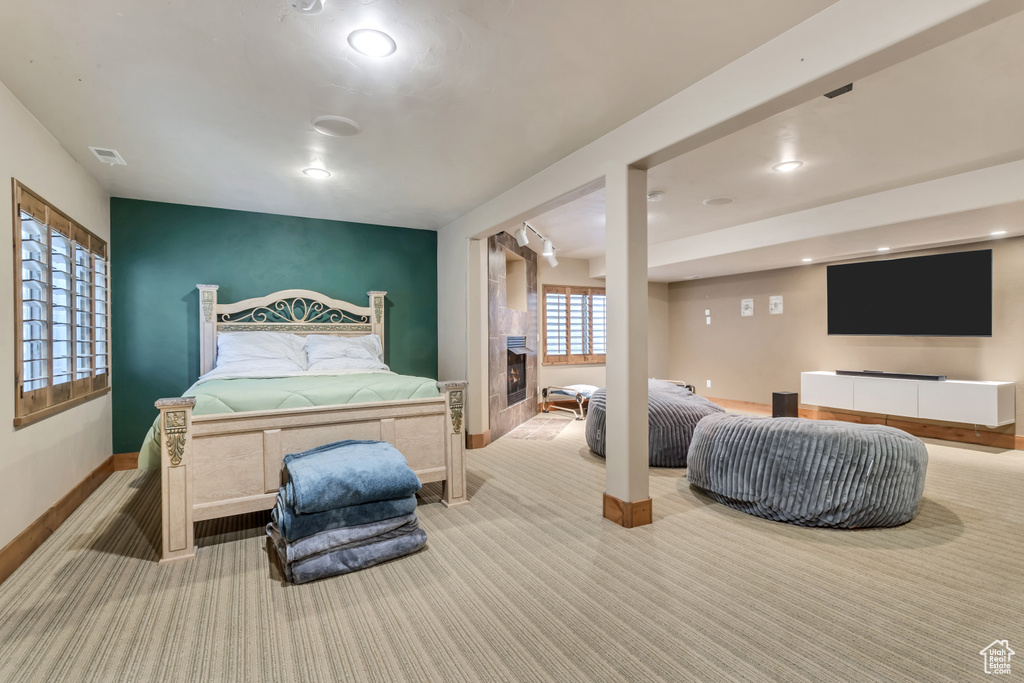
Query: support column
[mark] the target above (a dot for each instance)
(627, 494)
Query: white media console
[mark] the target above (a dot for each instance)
(981, 403)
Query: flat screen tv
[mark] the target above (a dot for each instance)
(947, 295)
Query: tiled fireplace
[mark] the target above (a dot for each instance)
(512, 334)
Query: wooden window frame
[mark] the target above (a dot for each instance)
(571, 358)
(40, 403)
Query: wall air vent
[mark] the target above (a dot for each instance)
(832, 94)
(108, 156)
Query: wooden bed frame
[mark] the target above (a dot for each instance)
(227, 464)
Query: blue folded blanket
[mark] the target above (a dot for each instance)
(352, 559)
(294, 526)
(344, 474)
(339, 539)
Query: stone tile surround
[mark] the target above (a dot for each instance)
(502, 322)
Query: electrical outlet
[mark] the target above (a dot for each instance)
(709, 384)
(709, 319)
(707, 311)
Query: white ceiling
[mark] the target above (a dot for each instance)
(211, 103)
(953, 109)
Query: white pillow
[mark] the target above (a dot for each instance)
(256, 350)
(321, 347)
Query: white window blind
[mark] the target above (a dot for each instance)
(63, 296)
(574, 325)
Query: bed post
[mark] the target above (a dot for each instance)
(176, 478)
(207, 327)
(454, 492)
(377, 314)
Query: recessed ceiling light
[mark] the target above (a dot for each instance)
(997, 233)
(787, 166)
(883, 249)
(319, 173)
(371, 43)
(336, 126)
(718, 201)
(655, 196)
(807, 260)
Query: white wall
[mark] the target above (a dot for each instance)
(43, 461)
(576, 272)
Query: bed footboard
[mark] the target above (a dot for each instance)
(219, 465)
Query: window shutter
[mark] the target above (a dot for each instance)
(63, 333)
(555, 322)
(83, 317)
(100, 326)
(599, 308)
(63, 313)
(34, 373)
(579, 324)
(575, 325)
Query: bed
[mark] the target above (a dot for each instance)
(219, 462)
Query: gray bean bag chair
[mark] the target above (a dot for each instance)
(673, 413)
(809, 472)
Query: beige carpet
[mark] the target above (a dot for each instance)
(527, 582)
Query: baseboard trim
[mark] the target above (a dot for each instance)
(478, 440)
(631, 514)
(928, 430)
(24, 544)
(126, 461)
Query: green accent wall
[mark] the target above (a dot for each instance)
(159, 252)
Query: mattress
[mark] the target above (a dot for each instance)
(246, 394)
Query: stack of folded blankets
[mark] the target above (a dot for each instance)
(345, 506)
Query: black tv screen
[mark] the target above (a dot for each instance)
(948, 295)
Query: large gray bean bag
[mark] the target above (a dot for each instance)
(673, 414)
(809, 472)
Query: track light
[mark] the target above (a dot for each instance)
(521, 238)
(548, 251)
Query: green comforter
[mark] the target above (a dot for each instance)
(275, 393)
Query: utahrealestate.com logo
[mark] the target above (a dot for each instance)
(997, 657)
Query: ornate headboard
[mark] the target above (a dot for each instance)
(300, 311)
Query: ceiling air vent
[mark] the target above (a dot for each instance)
(108, 156)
